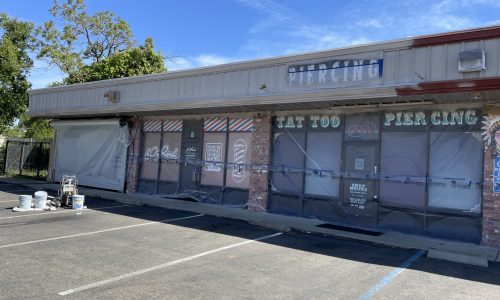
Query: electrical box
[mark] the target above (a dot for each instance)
(113, 96)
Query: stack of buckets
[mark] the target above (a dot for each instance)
(40, 201)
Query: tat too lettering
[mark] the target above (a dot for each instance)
(316, 121)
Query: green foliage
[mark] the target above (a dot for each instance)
(15, 42)
(78, 38)
(130, 62)
(14, 132)
(37, 129)
(93, 47)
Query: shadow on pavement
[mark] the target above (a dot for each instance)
(323, 245)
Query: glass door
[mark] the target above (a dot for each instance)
(360, 184)
(191, 149)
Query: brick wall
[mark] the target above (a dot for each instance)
(133, 156)
(261, 137)
(491, 204)
(491, 201)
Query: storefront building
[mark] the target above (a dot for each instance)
(397, 136)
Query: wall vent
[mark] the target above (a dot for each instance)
(471, 60)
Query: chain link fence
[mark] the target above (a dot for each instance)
(26, 158)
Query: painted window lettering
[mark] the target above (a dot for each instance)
(441, 117)
(317, 121)
(152, 154)
(167, 152)
(213, 157)
(325, 121)
(361, 130)
(405, 118)
(191, 154)
(291, 122)
(240, 150)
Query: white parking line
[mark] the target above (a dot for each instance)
(4, 201)
(63, 211)
(95, 232)
(164, 265)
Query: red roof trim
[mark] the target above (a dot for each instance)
(451, 86)
(459, 36)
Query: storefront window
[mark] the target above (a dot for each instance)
(151, 149)
(403, 169)
(239, 158)
(214, 148)
(288, 162)
(324, 150)
(455, 169)
(362, 127)
(170, 155)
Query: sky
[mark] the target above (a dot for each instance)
(197, 33)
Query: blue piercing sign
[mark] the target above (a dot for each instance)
(496, 175)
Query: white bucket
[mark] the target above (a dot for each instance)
(78, 201)
(25, 201)
(40, 199)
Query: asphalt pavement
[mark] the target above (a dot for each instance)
(118, 251)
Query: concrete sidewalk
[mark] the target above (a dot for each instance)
(437, 248)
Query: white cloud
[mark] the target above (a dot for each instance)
(371, 23)
(296, 34)
(425, 17)
(276, 14)
(202, 60)
(179, 63)
(211, 59)
(494, 22)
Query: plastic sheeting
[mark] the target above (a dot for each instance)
(324, 150)
(214, 153)
(239, 155)
(403, 165)
(152, 152)
(170, 155)
(348, 168)
(455, 170)
(417, 171)
(93, 150)
(288, 162)
(197, 160)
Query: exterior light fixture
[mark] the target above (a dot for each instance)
(113, 96)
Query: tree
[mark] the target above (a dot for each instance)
(89, 48)
(15, 42)
(36, 128)
(79, 39)
(130, 62)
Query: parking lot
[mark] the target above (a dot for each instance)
(117, 251)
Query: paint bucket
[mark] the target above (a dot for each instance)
(40, 199)
(25, 201)
(78, 201)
